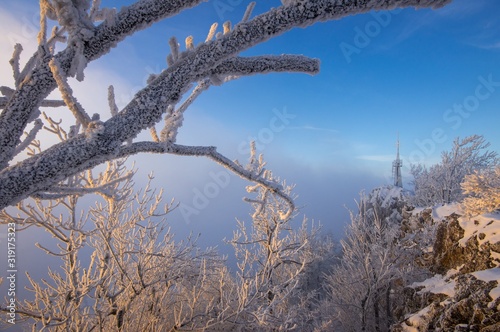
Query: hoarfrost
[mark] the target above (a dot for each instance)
(102, 141)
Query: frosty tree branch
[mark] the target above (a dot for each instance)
(36, 87)
(235, 66)
(43, 171)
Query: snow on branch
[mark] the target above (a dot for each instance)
(131, 19)
(42, 34)
(29, 137)
(264, 64)
(174, 48)
(149, 105)
(18, 112)
(8, 92)
(14, 62)
(44, 103)
(211, 32)
(74, 17)
(248, 11)
(251, 173)
(112, 101)
(67, 94)
(59, 191)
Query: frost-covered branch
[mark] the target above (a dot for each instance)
(440, 183)
(44, 103)
(27, 99)
(29, 137)
(67, 94)
(233, 69)
(14, 62)
(239, 66)
(272, 259)
(111, 101)
(211, 152)
(150, 104)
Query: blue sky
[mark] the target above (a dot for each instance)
(423, 74)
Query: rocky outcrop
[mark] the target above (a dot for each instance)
(471, 309)
(464, 264)
(449, 253)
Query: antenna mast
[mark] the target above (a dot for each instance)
(396, 168)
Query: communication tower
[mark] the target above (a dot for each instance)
(396, 168)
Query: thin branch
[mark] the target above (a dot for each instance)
(42, 34)
(44, 103)
(14, 62)
(111, 101)
(210, 152)
(211, 32)
(67, 94)
(248, 11)
(29, 137)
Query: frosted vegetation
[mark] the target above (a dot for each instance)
(468, 161)
(121, 268)
(87, 32)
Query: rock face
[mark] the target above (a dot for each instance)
(448, 253)
(463, 293)
(470, 309)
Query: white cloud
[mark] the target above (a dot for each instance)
(381, 158)
(16, 29)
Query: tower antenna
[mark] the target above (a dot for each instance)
(396, 168)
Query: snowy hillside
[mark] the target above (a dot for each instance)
(466, 295)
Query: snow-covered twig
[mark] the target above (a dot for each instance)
(211, 153)
(14, 62)
(6, 91)
(42, 34)
(226, 27)
(174, 48)
(174, 121)
(56, 36)
(29, 137)
(211, 32)
(111, 101)
(67, 94)
(248, 11)
(44, 103)
(58, 192)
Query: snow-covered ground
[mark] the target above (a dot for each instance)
(438, 284)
